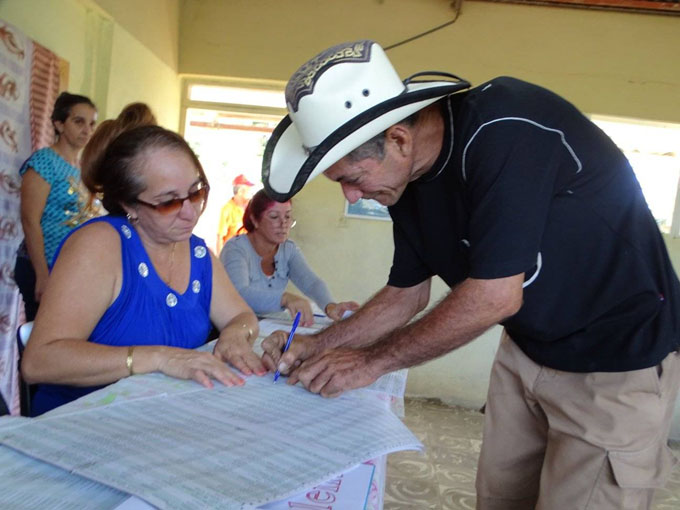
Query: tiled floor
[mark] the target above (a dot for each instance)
(444, 477)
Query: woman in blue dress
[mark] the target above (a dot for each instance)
(135, 291)
(52, 198)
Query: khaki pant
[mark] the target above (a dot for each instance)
(562, 440)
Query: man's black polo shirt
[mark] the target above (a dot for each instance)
(526, 184)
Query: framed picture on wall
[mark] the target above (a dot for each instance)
(367, 209)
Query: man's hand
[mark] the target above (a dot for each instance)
(334, 371)
(301, 348)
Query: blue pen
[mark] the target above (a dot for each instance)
(290, 339)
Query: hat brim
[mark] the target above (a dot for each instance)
(287, 166)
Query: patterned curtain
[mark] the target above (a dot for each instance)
(29, 82)
(44, 92)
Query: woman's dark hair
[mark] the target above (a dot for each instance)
(255, 208)
(118, 174)
(63, 105)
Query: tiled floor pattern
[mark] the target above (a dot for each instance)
(444, 477)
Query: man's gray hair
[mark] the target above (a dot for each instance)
(375, 147)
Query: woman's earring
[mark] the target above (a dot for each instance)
(130, 218)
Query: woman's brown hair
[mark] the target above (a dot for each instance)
(116, 175)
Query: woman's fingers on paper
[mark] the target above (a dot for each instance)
(200, 377)
(248, 363)
(254, 364)
(239, 363)
(222, 373)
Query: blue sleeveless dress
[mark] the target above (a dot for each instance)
(146, 312)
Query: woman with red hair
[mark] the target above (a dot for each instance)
(261, 262)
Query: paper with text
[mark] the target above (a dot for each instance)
(27, 483)
(349, 491)
(223, 448)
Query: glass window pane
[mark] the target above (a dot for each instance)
(653, 149)
(235, 95)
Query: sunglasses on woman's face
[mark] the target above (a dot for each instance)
(197, 197)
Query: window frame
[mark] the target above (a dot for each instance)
(188, 80)
(674, 229)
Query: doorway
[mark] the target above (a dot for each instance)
(228, 127)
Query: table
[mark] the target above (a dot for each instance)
(131, 391)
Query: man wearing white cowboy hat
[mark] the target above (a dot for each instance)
(535, 220)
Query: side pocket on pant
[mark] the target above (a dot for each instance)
(648, 468)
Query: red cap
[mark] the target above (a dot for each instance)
(241, 180)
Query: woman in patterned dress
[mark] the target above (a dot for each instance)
(52, 198)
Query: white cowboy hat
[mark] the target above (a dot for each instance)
(338, 100)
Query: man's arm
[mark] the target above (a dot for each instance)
(469, 310)
(389, 309)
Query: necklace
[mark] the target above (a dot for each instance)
(168, 280)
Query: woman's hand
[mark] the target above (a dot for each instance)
(336, 310)
(200, 366)
(235, 346)
(301, 348)
(294, 304)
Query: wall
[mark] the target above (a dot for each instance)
(137, 75)
(107, 61)
(609, 62)
(144, 62)
(156, 26)
(605, 62)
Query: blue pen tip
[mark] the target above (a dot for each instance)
(290, 338)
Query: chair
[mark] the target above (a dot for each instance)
(23, 334)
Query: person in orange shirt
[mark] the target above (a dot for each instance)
(231, 217)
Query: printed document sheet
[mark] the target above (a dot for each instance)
(197, 448)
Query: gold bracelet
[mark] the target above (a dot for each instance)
(128, 361)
